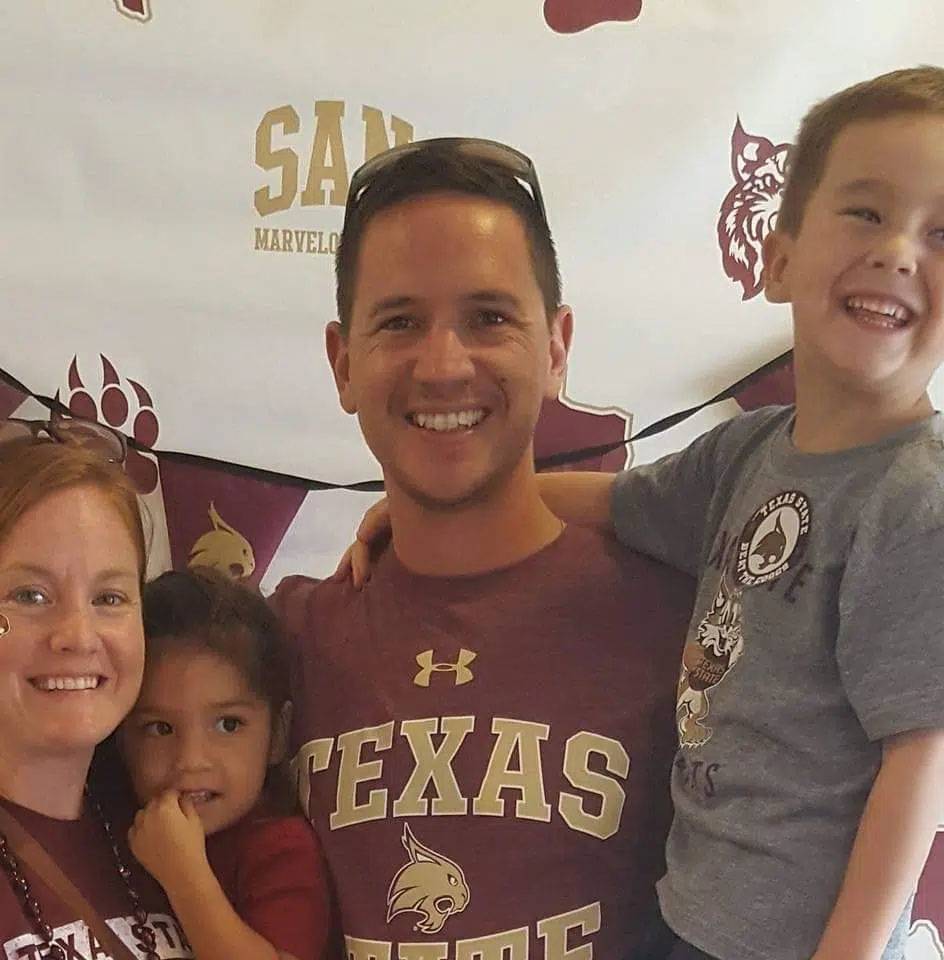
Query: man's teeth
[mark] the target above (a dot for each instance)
(444, 422)
(67, 683)
(886, 313)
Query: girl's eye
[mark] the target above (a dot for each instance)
(938, 234)
(229, 724)
(863, 213)
(157, 728)
(29, 596)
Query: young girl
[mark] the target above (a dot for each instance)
(205, 748)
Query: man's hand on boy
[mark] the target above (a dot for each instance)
(167, 838)
(373, 529)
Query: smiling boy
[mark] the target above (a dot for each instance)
(808, 784)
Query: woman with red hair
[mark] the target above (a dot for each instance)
(72, 561)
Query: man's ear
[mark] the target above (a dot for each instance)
(777, 252)
(278, 742)
(562, 335)
(339, 358)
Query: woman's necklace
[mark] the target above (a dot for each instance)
(34, 913)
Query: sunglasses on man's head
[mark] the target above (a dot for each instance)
(500, 156)
(90, 434)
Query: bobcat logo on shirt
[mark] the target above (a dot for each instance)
(706, 661)
(749, 211)
(773, 538)
(429, 885)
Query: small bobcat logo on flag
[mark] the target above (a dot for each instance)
(224, 548)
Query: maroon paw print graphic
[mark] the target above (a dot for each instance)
(572, 16)
(114, 407)
(136, 9)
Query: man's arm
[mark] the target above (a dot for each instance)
(892, 844)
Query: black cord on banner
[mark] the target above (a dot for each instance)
(660, 426)
(543, 463)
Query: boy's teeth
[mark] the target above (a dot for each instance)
(67, 683)
(896, 314)
(444, 422)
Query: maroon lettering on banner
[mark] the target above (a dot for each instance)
(135, 9)
(572, 16)
(749, 211)
(564, 425)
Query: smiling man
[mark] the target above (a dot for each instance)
(483, 733)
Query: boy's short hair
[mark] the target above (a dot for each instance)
(914, 90)
(439, 169)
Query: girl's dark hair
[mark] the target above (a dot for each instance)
(202, 610)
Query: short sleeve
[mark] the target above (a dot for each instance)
(890, 647)
(283, 892)
(660, 508)
(291, 603)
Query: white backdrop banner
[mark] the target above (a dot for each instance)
(173, 180)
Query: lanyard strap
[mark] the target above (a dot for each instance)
(28, 850)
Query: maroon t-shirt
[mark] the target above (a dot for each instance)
(486, 759)
(82, 851)
(272, 872)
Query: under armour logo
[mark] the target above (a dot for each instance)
(460, 668)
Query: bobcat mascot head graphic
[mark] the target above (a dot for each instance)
(749, 211)
(224, 548)
(430, 885)
(719, 636)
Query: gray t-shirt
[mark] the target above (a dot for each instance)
(817, 632)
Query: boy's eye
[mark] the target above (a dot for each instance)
(29, 596)
(157, 728)
(938, 234)
(862, 213)
(229, 724)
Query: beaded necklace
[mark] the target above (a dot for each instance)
(34, 913)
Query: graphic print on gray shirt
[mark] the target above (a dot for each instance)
(817, 632)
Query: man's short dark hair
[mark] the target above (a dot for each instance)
(439, 169)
